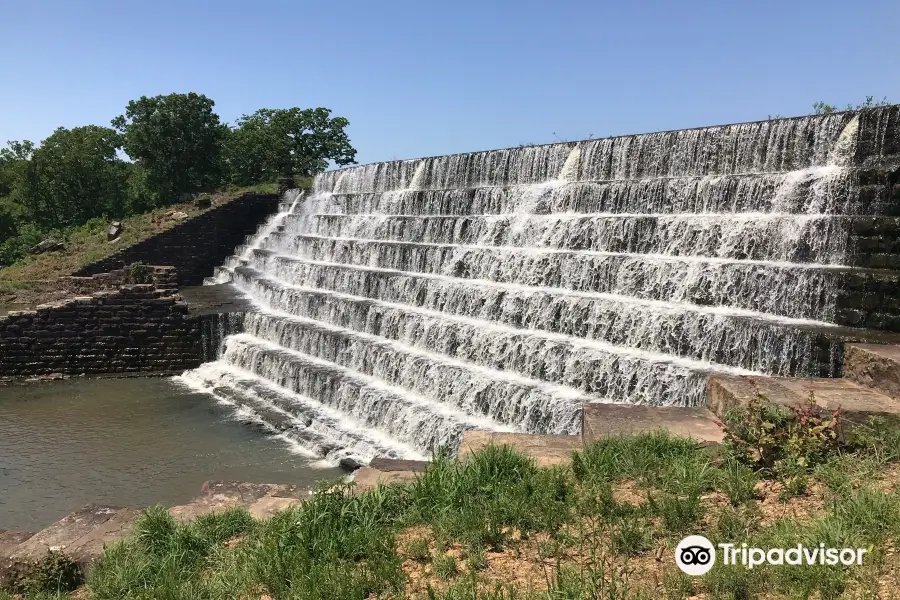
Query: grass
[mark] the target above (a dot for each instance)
(33, 279)
(497, 526)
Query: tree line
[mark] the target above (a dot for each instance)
(159, 151)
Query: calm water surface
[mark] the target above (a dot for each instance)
(125, 442)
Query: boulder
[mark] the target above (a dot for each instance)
(203, 202)
(115, 230)
(178, 215)
(349, 464)
(47, 246)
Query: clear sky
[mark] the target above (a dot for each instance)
(418, 78)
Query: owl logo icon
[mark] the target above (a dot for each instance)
(695, 555)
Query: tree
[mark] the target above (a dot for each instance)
(272, 143)
(75, 175)
(13, 160)
(821, 108)
(177, 140)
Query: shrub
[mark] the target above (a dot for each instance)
(55, 573)
(762, 433)
(139, 273)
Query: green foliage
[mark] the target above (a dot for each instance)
(139, 272)
(285, 142)
(177, 140)
(640, 457)
(73, 176)
(737, 481)
(768, 436)
(445, 566)
(55, 573)
(821, 108)
(417, 549)
(496, 491)
(631, 535)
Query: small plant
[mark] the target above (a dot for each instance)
(678, 513)
(477, 560)
(55, 573)
(738, 482)
(417, 549)
(445, 566)
(139, 272)
(630, 536)
(762, 433)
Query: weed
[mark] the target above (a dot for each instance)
(630, 536)
(445, 566)
(738, 482)
(476, 560)
(678, 513)
(55, 573)
(417, 549)
(762, 433)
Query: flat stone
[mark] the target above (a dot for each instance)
(9, 540)
(219, 496)
(268, 506)
(397, 464)
(90, 546)
(546, 450)
(601, 420)
(874, 365)
(65, 533)
(241, 492)
(858, 402)
(368, 478)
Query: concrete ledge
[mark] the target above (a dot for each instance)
(874, 365)
(604, 420)
(857, 402)
(546, 450)
(396, 464)
(368, 478)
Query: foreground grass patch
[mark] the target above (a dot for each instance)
(498, 526)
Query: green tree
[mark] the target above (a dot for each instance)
(13, 160)
(74, 175)
(821, 108)
(285, 142)
(177, 140)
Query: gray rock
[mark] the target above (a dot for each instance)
(115, 230)
(47, 246)
(349, 464)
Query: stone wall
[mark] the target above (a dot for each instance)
(136, 328)
(196, 246)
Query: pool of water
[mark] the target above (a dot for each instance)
(125, 442)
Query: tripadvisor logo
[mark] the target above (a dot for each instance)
(696, 555)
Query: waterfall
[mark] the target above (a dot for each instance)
(402, 303)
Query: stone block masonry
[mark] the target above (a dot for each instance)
(196, 246)
(139, 328)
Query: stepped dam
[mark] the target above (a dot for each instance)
(399, 304)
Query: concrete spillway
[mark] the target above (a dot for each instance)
(399, 304)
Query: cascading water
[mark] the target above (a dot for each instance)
(402, 303)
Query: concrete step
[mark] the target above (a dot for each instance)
(81, 535)
(384, 471)
(858, 402)
(874, 365)
(604, 420)
(546, 450)
(261, 499)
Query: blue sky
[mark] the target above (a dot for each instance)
(423, 78)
